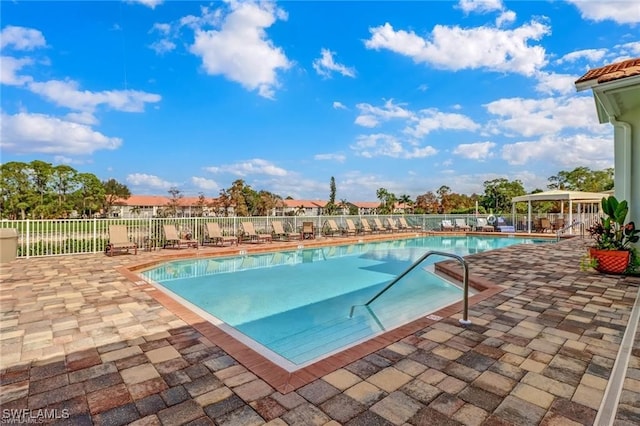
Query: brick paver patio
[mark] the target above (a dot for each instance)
(93, 345)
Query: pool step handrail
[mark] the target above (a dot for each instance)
(465, 282)
(570, 226)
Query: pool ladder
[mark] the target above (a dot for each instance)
(465, 282)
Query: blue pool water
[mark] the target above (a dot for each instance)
(295, 304)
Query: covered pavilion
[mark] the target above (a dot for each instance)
(578, 198)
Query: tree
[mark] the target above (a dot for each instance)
(173, 205)
(498, 194)
(15, 191)
(90, 194)
(237, 197)
(443, 196)
(406, 202)
(427, 203)
(223, 201)
(582, 179)
(387, 201)
(202, 202)
(331, 207)
(114, 191)
(266, 203)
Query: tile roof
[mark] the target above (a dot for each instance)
(612, 72)
(159, 200)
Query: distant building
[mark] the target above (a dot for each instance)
(158, 205)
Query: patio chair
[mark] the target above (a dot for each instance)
(119, 240)
(365, 228)
(461, 225)
(215, 236)
(281, 234)
(351, 228)
(545, 225)
(173, 239)
(483, 226)
(558, 224)
(390, 224)
(250, 235)
(379, 226)
(446, 225)
(404, 225)
(308, 231)
(331, 228)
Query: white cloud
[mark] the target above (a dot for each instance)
(68, 94)
(149, 3)
(475, 151)
(545, 116)
(480, 6)
(240, 49)
(550, 83)
(325, 65)
(204, 183)
(162, 46)
(619, 11)
(152, 181)
(565, 152)
(506, 17)
(429, 120)
(250, 167)
(38, 133)
(339, 105)
(456, 48)
(21, 38)
(371, 116)
(9, 68)
(340, 158)
(383, 145)
(591, 55)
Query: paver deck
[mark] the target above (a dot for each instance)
(87, 341)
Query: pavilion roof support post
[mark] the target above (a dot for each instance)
(571, 215)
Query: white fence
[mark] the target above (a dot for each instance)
(76, 236)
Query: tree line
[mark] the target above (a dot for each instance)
(40, 190)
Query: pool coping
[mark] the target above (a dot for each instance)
(278, 377)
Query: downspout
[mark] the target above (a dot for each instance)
(626, 157)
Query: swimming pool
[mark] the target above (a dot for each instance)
(293, 306)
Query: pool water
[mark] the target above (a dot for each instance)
(293, 306)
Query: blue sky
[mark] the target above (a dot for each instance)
(406, 96)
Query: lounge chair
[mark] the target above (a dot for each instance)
(215, 236)
(404, 225)
(281, 234)
(365, 228)
(446, 225)
(351, 228)
(483, 226)
(331, 228)
(119, 240)
(461, 225)
(174, 240)
(308, 231)
(250, 235)
(379, 226)
(390, 224)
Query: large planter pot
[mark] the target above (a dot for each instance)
(610, 261)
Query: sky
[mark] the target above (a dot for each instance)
(405, 96)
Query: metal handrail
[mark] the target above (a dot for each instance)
(465, 281)
(561, 230)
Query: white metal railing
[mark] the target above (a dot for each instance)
(77, 236)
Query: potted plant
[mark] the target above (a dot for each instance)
(613, 251)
